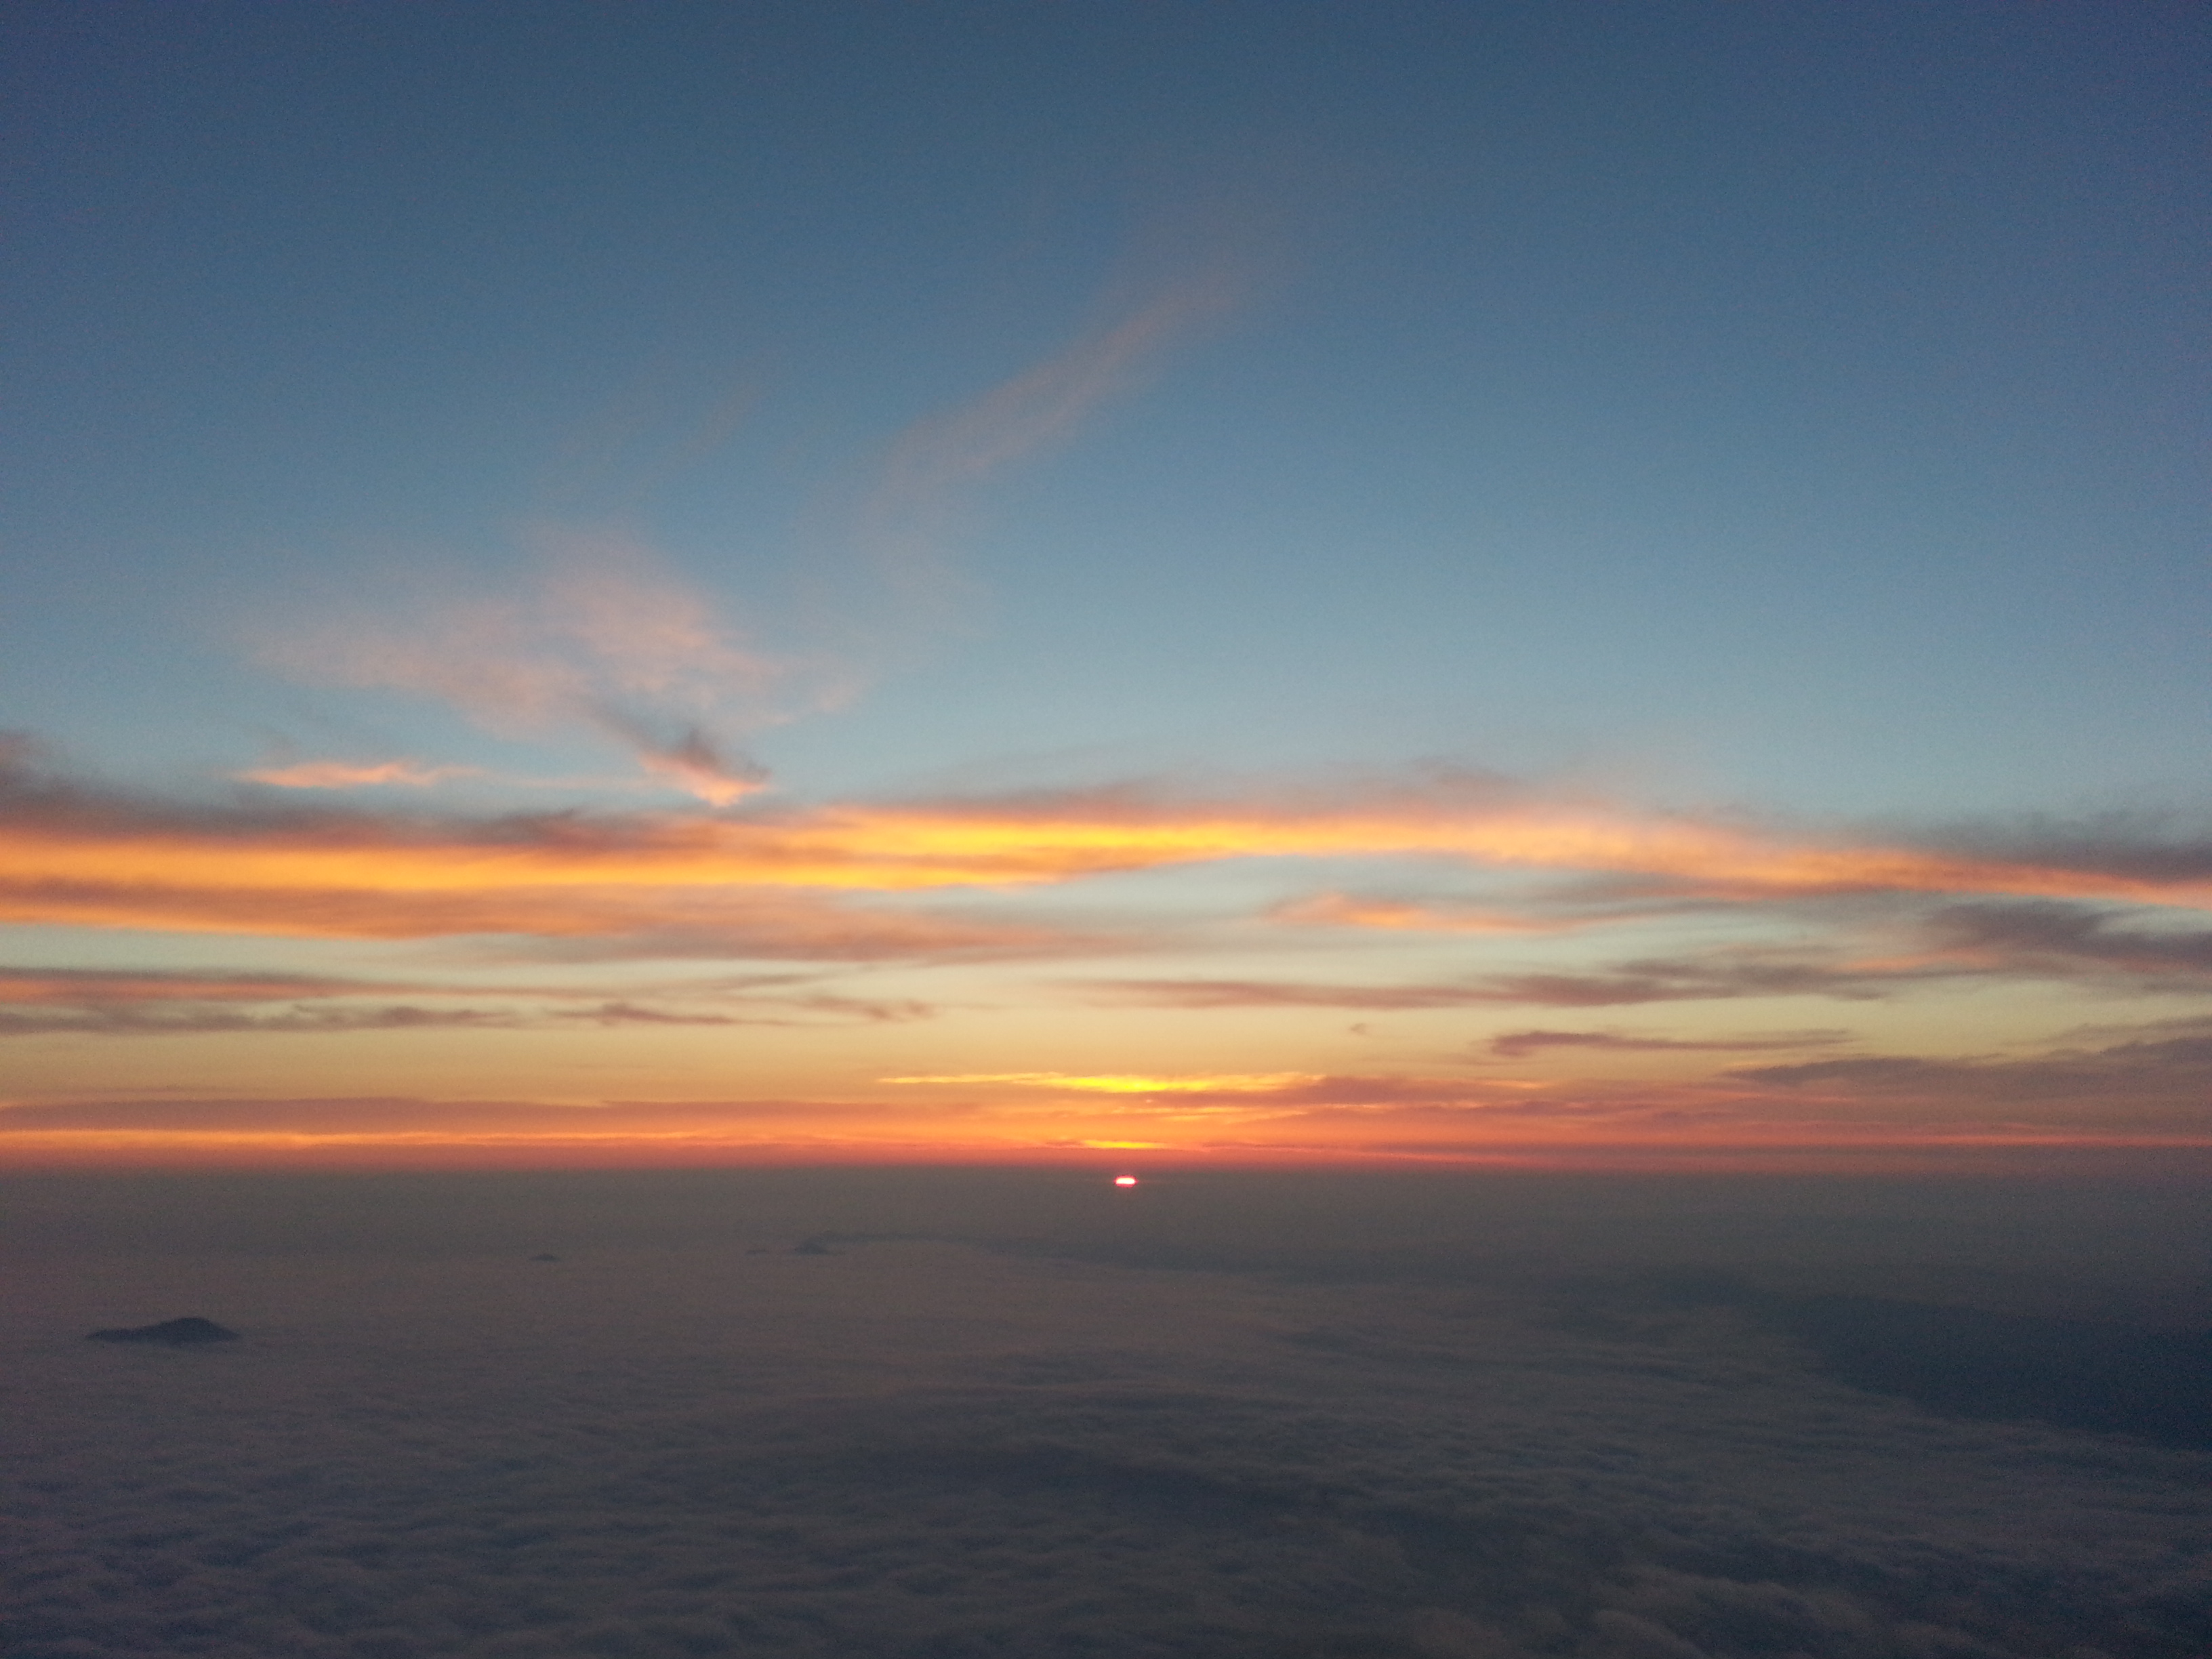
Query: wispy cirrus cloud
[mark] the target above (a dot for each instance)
(597, 632)
(600, 635)
(908, 520)
(1045, 403)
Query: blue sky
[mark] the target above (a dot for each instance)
(1785, 413)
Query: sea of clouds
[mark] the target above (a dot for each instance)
(934, 1413)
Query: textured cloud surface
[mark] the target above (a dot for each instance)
(1017, 1415)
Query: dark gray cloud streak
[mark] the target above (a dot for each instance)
(2068, 940)
(2118, 1071)
(186, 1020)
(1742, 974)
(1514, 1045)
(130, 1002)
(2042, 939)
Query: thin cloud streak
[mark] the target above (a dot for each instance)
(119, 1002)
(368, 1117)
(906, 522)
(2068, 939)
(112, 1020)
(1046, 403)
(347, 774)
(2176, 1070)
(1346, 910)
(1201, 994)
(1739, 972)
(1518, 1045)
(188, 1020)
(88, 987)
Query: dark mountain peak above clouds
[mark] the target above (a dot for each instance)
(176, 1333)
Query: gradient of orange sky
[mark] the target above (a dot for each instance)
(890, 1032)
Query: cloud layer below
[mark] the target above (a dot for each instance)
(1215, 1420)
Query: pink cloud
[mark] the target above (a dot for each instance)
(601, 636)
(348, 775)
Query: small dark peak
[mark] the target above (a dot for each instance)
(760, 1249)
(174, 1333)
(811, 1247)
(546, 1255)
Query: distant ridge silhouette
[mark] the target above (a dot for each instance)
(177, 1332)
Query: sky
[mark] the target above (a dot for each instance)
(1151, 586)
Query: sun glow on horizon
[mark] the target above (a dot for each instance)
(1126, 1084)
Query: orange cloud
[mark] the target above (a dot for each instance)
(369, 900)
(77, 986)
(73, 855)
(1344, 910)
(1058, 838)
